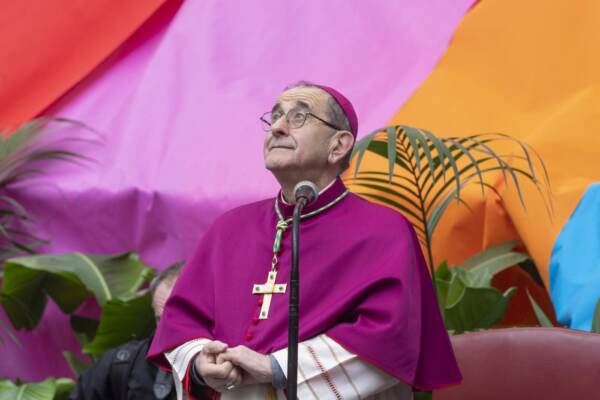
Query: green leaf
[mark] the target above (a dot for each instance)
(122, 321)
(596, 319)
(481, 279)
(489, 253)
(391, 147)
(479, 308)
(442, 287)
(442, 272)
(361, 146)
(76, 365)
(67, 279)
(85, 328)
(45, 390)
(499, 263)
(422, 395)
(64, 386)
(22, 297)
(456, 291)
(539, 313)
(436, 214)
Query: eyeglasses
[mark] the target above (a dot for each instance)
(295, 118)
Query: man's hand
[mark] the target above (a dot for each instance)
(256, 367)
(218, 374)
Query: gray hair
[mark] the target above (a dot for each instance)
(336, 116)
(168, 274)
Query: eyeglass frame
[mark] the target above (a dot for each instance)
(306, 114)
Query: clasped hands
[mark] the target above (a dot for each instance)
(222, 367)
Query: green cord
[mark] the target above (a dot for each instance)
(283, 224)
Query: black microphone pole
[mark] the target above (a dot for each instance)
(292, 370)
(305, 193)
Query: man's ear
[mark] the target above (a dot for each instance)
(341, 143)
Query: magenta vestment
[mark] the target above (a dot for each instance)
(363, 282)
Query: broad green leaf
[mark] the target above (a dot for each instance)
(422, 395)
(539, 313)
(497, 313)
(122, 321)
(442, 272)
(68, 279)
(124, 273)
(480, 279)
(489, 253)
(64, 386)
(479, 308)
(28, 391)
(498, 264)
(442, 291)
(76, 365)
(23, 297)
(84, 328)
(456, 291)
(596, 319)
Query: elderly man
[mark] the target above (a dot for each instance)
(369, 323)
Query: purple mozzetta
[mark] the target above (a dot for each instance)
(363, 282)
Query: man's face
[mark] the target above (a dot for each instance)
(161, 294)
(300, 149)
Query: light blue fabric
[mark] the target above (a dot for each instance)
(575, 264)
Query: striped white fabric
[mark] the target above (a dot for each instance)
(325, 371)
(328, 371)
(180, 358)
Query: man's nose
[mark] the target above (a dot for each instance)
(280, 127)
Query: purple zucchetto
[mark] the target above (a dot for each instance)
(346, 107)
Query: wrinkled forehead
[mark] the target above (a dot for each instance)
(313, 99)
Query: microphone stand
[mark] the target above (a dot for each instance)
(292, 369)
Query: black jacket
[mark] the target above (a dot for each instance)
(124, 373)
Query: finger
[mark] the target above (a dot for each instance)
(223, 357)
(229, 355)
(214, 347)
(235, 376)
(214, 371)
(204, 358)
(238, 356)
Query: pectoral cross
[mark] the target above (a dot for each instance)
(268, 290)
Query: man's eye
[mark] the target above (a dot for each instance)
(275, 116)
(297, 116)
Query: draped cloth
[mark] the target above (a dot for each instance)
(363, 283)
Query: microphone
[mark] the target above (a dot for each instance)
(305, 190)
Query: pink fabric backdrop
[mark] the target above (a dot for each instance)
(178, 109)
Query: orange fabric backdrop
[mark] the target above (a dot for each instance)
(530, 70)
(47, 46)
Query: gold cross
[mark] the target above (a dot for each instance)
(268, 290)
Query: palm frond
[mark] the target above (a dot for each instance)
(20, 157)
(425, 173)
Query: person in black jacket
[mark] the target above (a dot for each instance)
(123, 373)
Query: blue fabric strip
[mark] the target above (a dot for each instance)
(575, 264)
